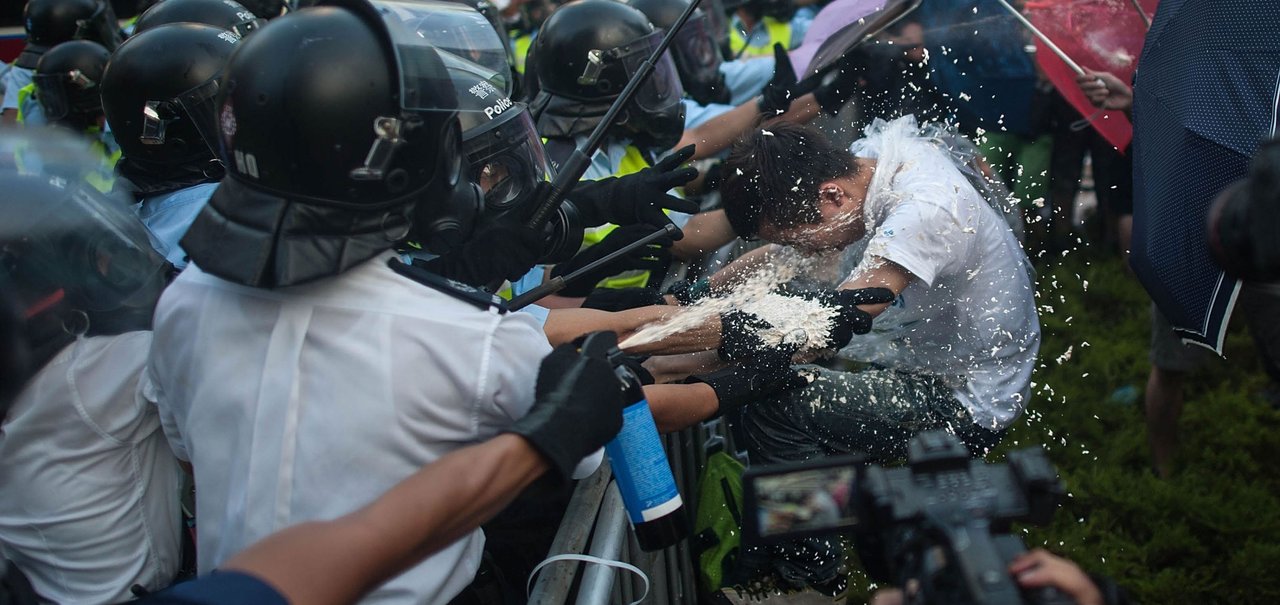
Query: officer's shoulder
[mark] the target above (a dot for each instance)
(468, 294)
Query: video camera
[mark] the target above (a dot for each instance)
(939, 527)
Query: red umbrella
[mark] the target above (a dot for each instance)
(1101, 35)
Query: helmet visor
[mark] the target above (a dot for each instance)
(697, 59)
(695, 48)
(198, 106)
(65, 93)
(506, 159)
(428, 36)
(117, 249)
(662, 89)
(51, 92)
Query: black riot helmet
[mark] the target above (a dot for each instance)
(223, 14)
(68, 79)
(158, 94)
(52, 22)
(73, 260)
(695, 49)
(335, 154)
(267, 9)
(584, 56)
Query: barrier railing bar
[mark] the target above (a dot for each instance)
(555, 581)
(606, 543)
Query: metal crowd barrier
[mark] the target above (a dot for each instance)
(596, 524)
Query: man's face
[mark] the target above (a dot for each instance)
(841, 223)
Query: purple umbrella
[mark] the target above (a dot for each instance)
(842, 25)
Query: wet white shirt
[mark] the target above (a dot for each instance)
(969, 316)
(88, 487)
(308, 402)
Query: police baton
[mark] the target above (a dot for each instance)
(576, 165)
(556, 284)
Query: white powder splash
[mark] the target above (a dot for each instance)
(794, 319)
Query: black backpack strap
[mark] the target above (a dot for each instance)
(473, 296)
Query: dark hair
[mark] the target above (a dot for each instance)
(773, 173)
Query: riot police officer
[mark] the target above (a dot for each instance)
(352, 370)
(158, 93)
(88, 485)
(49, 23)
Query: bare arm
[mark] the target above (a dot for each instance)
(564, 325)
(704, 233)
(740, 268)
(719, 133)
(880, 273)
(339, 561)
(676, 406)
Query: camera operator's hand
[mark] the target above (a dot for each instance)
(780, 91)
(1040, 568)
(655, 256)
(621, 299)
(578, 408)
(849, 319)
(495, 253)
(637, 198)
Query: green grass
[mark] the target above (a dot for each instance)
(1208, 534)
(1211, 532)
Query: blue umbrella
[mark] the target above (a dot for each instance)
(1205, 96)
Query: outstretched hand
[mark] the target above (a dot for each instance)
(638, 198)
(780, 91)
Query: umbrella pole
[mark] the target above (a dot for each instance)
(1043, 38)
(1138, 7)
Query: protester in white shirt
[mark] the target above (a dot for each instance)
(957, 347)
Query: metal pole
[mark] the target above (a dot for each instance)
(1043, 38)
(1141, 13)
(556, 579)
(611, 530)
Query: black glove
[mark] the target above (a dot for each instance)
(578, 408)
(740, 336)
(652, 257)
(738, 385)
(637, 198)
(836, 87)
(778, 94)
(688, 292)
(850, 319)
(495, 253)
(621, 299)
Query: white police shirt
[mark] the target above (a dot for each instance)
(88, 486)
(308, 402)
